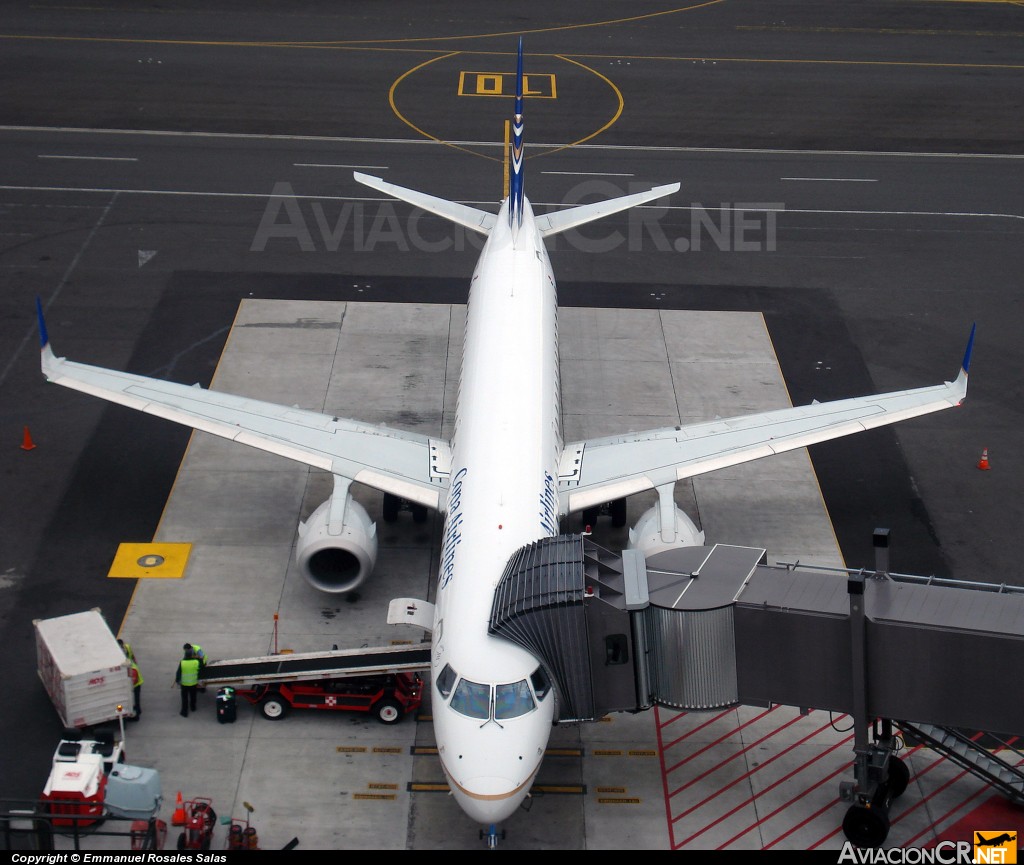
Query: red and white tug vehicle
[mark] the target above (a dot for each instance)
(77, 787)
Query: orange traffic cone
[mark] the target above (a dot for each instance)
(179, 812)
(26, 441)
(983, 462)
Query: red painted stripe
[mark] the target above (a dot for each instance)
(997, 812)
(731, 732)
(729, 759)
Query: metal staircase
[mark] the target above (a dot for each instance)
(997, 762)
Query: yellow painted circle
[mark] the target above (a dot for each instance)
(479, 63)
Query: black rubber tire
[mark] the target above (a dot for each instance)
(211, 815)
(274, 707)
(387, 710)
(389, 510)
(619, 513)
(899, 776)
(419, 513)
(588, 517)
(866, 827)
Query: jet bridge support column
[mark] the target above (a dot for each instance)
(879, 776)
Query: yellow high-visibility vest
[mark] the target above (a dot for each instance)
(189, 672)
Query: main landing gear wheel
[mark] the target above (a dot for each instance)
(389, 510)
(419, 513)
(388, 711)
(274, 707)
(588, 517)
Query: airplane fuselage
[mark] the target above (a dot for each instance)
(502, 496)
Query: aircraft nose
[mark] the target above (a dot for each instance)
(489, 799)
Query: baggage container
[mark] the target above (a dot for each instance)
(83, 669)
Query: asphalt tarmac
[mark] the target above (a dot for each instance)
(853, 173)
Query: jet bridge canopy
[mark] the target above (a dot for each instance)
(709, 627)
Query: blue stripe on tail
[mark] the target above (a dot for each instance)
(44, 337)
(970, 346)
(515, 192)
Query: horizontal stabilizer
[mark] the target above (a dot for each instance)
(469, 217)
(563, 220)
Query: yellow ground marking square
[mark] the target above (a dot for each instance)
(155, 561)
(538, 85)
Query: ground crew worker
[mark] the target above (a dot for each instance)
(187, 678)
(136, 675)
(200, 655)
(197, 652)
(129, 652)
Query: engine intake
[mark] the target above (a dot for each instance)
(338, 561)
(648, 537)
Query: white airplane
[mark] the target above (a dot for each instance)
(503, 482)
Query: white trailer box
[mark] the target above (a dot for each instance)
(83, 668)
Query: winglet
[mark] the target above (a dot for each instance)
(44, 338)
(970, 347)
(515, 196)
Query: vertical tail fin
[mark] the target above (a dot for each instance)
(515, 195)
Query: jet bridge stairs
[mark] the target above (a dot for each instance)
(705, 628)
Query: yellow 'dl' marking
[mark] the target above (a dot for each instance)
(153, 561)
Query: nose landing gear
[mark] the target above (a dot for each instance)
(492, 834)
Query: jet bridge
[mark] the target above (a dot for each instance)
(703, 628)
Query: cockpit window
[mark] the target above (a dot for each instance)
(541, 683)
(511, 701)
(445, 680)
(472, 699)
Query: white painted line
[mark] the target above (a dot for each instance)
(333, 165)
(835, 179)
(97, 158)
(77, 130)
(748, 208)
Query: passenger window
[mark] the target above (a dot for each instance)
(541, 683)
(445, 680)
(472, 699)
(511, 701)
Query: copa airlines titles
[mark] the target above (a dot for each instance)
(549, 506)
(452, 535)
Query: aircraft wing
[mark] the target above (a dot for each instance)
(600, 470)
(405, 464)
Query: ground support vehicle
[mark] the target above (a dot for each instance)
(77, 786)
(384, 681)
(388, 697)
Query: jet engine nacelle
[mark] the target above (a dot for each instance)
(337, 561)
(648, 537)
